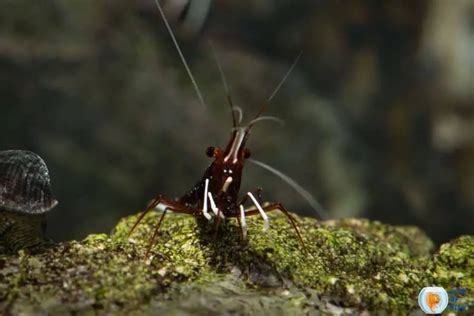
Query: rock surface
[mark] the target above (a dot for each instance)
(350, 265)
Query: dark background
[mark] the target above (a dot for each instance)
(379, 110)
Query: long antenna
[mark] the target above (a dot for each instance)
(224, 82)
(285, 77)
(219, 65)
(298, 188)
(188, 70)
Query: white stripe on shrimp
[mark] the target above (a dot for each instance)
(214, 207)
(204, 206)
(243, 222)
(266, 221)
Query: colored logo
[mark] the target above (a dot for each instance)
(433, 300)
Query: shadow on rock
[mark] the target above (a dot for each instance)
(229, 252)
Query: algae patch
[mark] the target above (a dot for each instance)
(350, 265)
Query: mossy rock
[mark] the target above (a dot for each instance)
(348, 266)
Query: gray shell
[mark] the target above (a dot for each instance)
(24, 183)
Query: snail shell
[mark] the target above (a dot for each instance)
(24, 183)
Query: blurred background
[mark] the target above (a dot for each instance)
(379, 111)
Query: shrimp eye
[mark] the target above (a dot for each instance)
(210, 151)
(246, 153)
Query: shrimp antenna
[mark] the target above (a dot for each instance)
(188, 70)
(285, 77)
(238, 109)
(219, 65)
(262, 108)
(298, 188)
(266, 118)
(224, 82)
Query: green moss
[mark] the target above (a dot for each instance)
(347, 265)
(453, 264)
